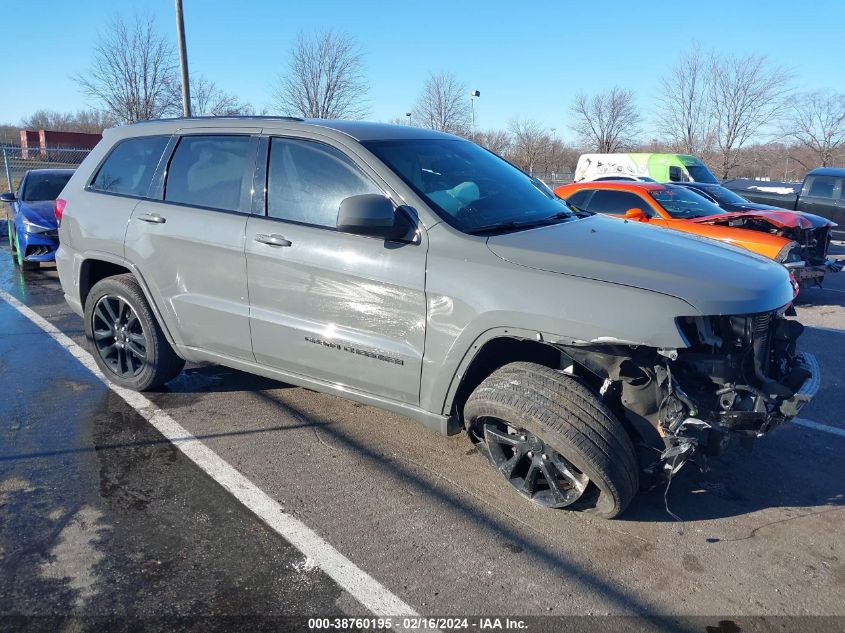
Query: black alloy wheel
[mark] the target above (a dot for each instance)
(119, 336)
(533, 468)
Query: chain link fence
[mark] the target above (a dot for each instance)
(16, 161)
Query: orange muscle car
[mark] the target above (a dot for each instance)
(680, 209)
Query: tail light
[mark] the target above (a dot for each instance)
(59, 209)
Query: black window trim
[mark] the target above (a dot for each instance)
(160, 177)
(89, 184)
(262, 181)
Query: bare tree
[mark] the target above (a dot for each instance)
(816, 121)
(325, 78)
(89, 121)
(530, 143)
(497, 141)
(684, 112)
(746, 94)
(209, 100)
(133, 73)
(607, 121)
(443, 104)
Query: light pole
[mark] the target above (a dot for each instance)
(183, 60)
(408, 114)
(472, 96)
(553, 130)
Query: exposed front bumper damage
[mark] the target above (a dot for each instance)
(741, 376)
(815, 274)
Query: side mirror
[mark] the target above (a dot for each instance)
(636, 215)
(370, 214)
(7, 197)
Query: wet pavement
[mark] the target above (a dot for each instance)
(100, 515)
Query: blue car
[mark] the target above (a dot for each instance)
(32, 227)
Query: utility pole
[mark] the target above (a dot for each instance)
(472, 96)
(183, 60)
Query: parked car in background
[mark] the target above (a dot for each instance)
(31, 220)
(628, 178)
(822, 193)
(415, 271)
(811, 231)
(657, 167)
(681, 209)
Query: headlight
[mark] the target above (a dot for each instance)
(32, 227)
(789, 255)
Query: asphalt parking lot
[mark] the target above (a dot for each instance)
(102, 515)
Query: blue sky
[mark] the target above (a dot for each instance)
(528, 59)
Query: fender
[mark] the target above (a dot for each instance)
(80, 258)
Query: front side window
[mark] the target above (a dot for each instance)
(307, 180)
(130, 166)
(683, 204)
(208, 171)
(469, 187)
(44, 186)
(617, 202)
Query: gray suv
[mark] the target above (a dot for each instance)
(415, 271)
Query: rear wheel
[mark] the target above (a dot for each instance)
(129, 345)
(553, 440)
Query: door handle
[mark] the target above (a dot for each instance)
(273, 239)
(152, 218)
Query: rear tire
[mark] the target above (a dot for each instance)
(126, 340)
(558, 418)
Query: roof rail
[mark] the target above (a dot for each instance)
(217, 118)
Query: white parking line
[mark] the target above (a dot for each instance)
(818, 427)
(363, 587)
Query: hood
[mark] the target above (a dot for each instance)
(816, 221)
(780, 218)
(40, 213)
(712, 277)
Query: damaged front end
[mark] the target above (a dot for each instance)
(739, 376)
(806, 255)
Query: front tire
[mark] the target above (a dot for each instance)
(553, 439)
(128, 343)
(17, 254)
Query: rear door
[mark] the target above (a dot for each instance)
(341, 308)
(189, 241)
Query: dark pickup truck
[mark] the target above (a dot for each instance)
(821, 193)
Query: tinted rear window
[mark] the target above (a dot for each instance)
(130, 167)
(208, 171)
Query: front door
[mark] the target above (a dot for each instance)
(341, 308)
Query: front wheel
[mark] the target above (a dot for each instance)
(17, 252)
(129, 345)
(553, 440)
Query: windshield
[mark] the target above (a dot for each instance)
(700, 173)
(470, 188)
(684, 204)
(39, 187)
(725, 196)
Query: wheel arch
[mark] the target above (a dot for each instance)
(493, 351)
(99, 266)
